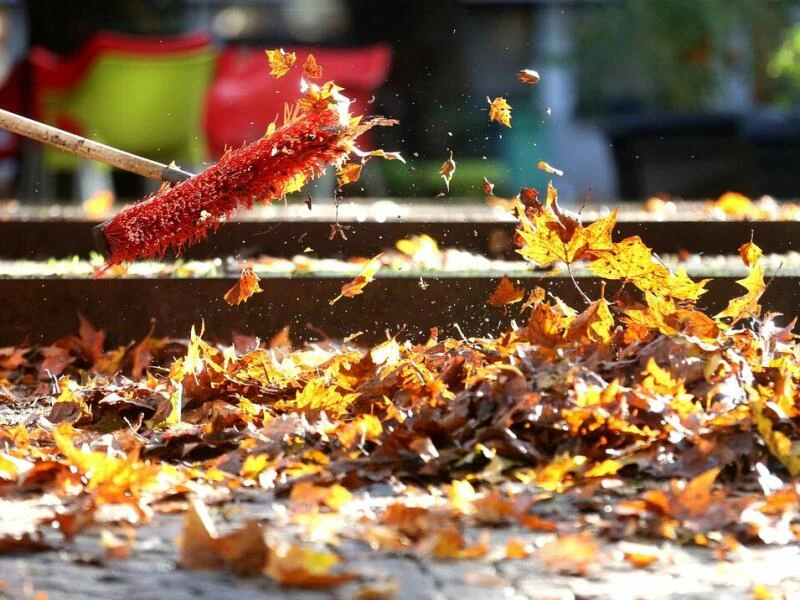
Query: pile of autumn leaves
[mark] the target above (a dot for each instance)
(639, 385)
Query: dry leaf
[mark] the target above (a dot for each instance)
(488, 187)
(243, 289)
(299, 566)
(348, 173)
(506, 293)
(447, 169)
(750, 253)
(572, 554)
(500, 111)
(528, 76)
(311, 69)
(548, 168)
(280, 61)
(356, 286)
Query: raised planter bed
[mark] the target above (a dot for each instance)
(286, 231)
(41, 310)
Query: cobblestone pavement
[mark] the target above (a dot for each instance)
(79, 569)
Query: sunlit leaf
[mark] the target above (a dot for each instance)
(548, 168)
(349, 173)
(500, 111)
(280, 61)
(244, 289)
(357, 285)
(447, 169)
(311, 69)
(528, 76)
(506, 293)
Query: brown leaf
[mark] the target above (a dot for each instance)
(91, 339)
(447, 169)
(528, 76)
(243, 289)
(750, 253)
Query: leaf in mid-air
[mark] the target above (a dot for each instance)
(280, 61)
(243, 289)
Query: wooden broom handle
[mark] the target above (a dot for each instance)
(80, 146)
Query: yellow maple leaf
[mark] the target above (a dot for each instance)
(747, 304)
(594, 324)
(500, 111)
(280, 61)
(780, 445)
(549, 235)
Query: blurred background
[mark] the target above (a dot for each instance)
(688, 98)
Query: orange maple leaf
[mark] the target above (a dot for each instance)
(349, 173)
(506, 293)
(311, 68)
(280, 61)
(243, 289)
(750, 253)
(356, 286)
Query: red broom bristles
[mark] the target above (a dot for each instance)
(312, 138)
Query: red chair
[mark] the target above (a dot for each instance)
(244, 98)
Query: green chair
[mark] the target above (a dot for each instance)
(143, 95)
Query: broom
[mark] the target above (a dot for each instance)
(318, 131)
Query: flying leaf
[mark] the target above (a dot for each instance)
(243, 289)
(750, 253)
(506, 293)
(548, 168)
(488, 187)
(447, 169)
(528, 76)
(356, 286)
(500, 111)
(311, 69)
(280, 61)
(349, 173)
